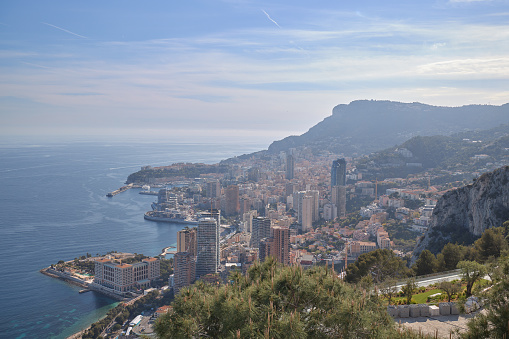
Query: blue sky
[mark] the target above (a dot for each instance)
(238, 67)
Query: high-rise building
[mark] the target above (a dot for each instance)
(207, 259)
(213, 189)
(316, 204)
(232, 206)
(338, 173)
(306, 215)
(248, 221)
(185, 270)
(339, 199)
(260, 230)
(265, 248)
(290, 189)
(186, 241)
(290, 164)
(282, 244)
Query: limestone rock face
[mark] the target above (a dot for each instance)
(473, 208)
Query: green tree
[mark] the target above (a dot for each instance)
(425, 264)
(452, 255)
(490, 244)
(471, 271)
(450, 288)
(379, 265)
(277, 302)
(409, 290)
(388, 289)
(494, 321)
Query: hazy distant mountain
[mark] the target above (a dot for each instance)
(365, 126)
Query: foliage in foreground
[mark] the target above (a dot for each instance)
(277, 302)
(494, 322)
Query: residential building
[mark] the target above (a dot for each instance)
(184, 270)
(290, 167)
(260, 230)
(186, 241)
(207, 259)
(121, 277)
(232, 206)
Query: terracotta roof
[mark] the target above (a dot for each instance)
(124, 266)
(103, 260)
(150, 259)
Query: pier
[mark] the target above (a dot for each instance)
(120, 190)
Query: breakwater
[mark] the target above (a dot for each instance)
(120, 190)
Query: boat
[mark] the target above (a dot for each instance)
(170, 216)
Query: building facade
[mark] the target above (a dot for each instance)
(338, 173)
(185, 270)
(290, 167)
(207, 259)
(122, 278)
(186, 241)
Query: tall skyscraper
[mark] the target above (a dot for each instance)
(213, 189)
(307, 213)
(260, 230)
(185, 270)
(306, 204)
(208, 247)
(232, 200)
(316, 204)
(282, 244)
(186, 241)
(290, 164)
(338, 173)
(216, 215)
(339, 199)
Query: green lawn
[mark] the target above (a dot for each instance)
(421, 297)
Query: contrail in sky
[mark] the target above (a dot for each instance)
(268, 16)
(60, 28)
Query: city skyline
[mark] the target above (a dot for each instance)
(254, 70)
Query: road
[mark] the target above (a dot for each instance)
(450, 276)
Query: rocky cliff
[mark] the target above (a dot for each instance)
(468, 211)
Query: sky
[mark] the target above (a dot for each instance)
(251, 69)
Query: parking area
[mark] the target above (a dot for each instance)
(145, 326)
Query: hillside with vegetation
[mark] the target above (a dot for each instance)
(150, 174)
(463, 152)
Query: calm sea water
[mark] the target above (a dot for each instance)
(53, 206)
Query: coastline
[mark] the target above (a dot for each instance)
(48, 271)
(81, 283)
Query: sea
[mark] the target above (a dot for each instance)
(53, 206)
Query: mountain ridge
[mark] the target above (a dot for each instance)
(364, 126)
